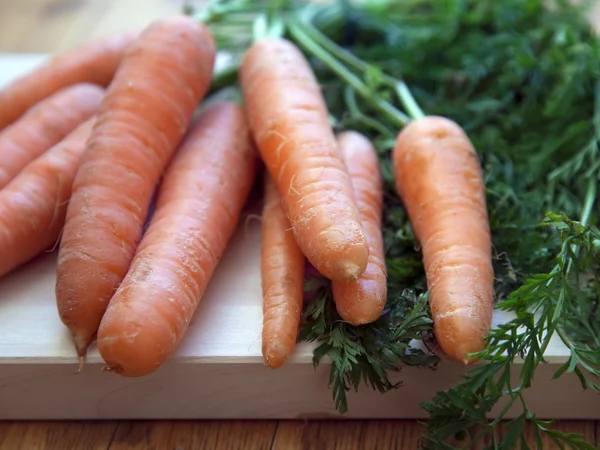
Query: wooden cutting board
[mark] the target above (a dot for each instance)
(217, 372)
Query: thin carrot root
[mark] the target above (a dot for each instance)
(362, 301)
(439, 178)
(282, 271)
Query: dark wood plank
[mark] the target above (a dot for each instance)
(347, 435)
(214, 435)
(86, 435)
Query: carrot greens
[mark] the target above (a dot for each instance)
(522, 79)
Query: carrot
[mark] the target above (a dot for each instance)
(362, 301)
(289, 120)
(93, 62)
(141, 121)
(282, 272)
(439, 179)
(45, 125)
(197, 210)
(34, 203)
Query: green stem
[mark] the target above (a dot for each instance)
(265, 26)
(395, 116)
(408, 101)
(350, 59)
(355, 112)
(215, 11)
(590, 199)
(513, 398)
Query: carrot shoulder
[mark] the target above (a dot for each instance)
(282, 272)
(439, 178)
(141, 121)
(362, 301)
(33, 204)
(289, 120)
(197, 210)
(45, 125)
(93, 62)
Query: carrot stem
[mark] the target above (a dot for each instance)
(350, 59)
(408, 101)
(265, 27)
(355, 112)
(590, 199)
(397, 117)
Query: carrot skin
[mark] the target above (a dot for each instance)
(282, 273)
(33, 204)
(289, 120)
(144, 115)
(439, 179)
(93, 62)
(362, 301)
(45, 125)
(197, 210)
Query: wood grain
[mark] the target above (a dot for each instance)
(242, 435)
(347, 435)
(56, 435)
(184, 435)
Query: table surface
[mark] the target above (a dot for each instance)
(41, 26)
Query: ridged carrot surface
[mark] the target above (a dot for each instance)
(45, 125)
(439, 178)
(34, 203)
(197, 211)
(282, 272)
(289, 120)
(93, 62)
(145, 113)
(362, 301)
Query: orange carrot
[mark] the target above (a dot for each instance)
(439, 179)
(289, 121)
(197, 210)
(93, 62)
(362, 301)
(45, 125)
(282, 271)
(34, 203)
(141, 121)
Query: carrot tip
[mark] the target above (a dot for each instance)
(81, 345)
(81, 364)
(352, 270)
(115, 368)
(273, 358)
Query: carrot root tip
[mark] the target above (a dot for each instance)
(352, 270)
(112, 368)
(81, 364)
(273, 358)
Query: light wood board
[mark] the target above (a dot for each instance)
(217, 372)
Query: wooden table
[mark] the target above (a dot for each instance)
(54, 26)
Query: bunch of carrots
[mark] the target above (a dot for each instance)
(92, 138)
